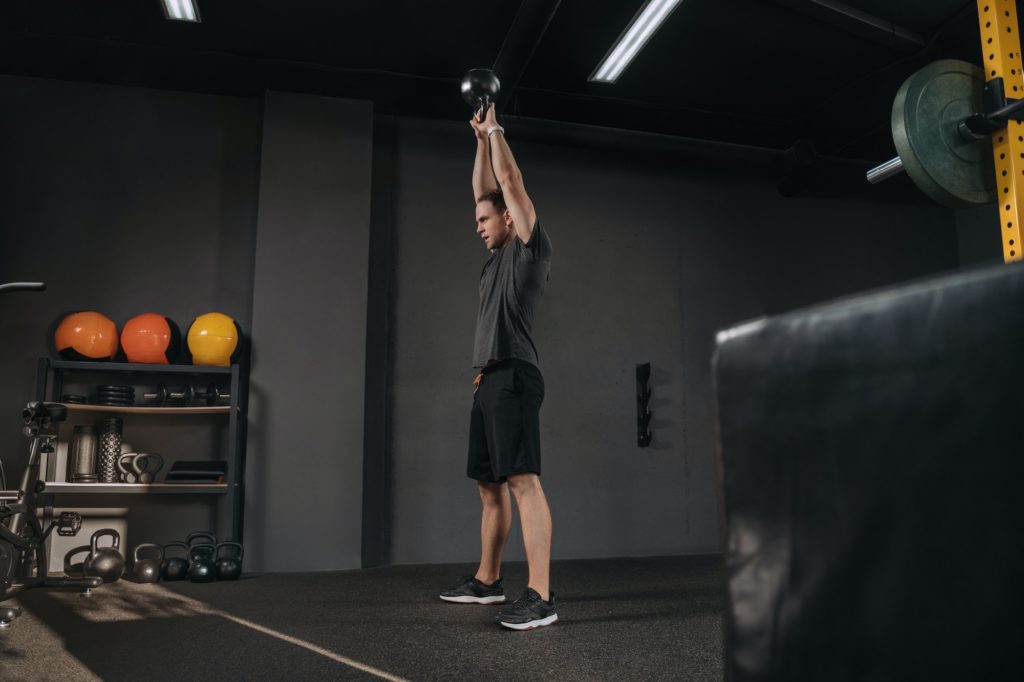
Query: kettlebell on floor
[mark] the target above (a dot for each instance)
(105, 562)
(229, 567)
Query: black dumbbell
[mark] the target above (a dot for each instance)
(212, 395)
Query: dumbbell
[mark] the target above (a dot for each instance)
(212, 395)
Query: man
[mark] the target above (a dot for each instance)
(504, 435)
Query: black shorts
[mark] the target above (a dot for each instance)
(504, 428)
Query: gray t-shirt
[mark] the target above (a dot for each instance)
(511, 285)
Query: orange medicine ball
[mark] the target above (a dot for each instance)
(86, 336)
(150, 339)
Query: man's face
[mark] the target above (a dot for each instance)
(491, 225)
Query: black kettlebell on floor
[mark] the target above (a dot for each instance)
(480, 87)
(201, 565)
(76, 570)
(175, 567)
(147, 570)
(230, 567)
(105, 562)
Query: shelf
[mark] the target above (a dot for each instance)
(134, 367)
(136, 488)
(55, 377)
(219, 409)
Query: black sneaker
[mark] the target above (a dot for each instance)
(528, 612)
(472, 591)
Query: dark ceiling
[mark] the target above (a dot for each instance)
(757, 72)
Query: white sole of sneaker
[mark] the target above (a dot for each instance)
(475, 600)
(533, 623)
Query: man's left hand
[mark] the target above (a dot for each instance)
(490, 120)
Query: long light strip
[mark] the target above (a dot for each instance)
(181, 10)
(633, 39)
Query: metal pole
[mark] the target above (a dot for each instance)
(885, 171)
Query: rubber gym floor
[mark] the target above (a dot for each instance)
(619, 619)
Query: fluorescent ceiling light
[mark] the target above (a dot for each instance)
(633, 39)
(181, 10)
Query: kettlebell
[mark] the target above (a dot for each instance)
(174, 568)
(480, 87)
(105, 562)
(127, 475)
(75, 570)
(142, 471)
(229, 567)
(201, 566)
(147, 570)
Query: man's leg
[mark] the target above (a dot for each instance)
(495, 523)
(535, 518)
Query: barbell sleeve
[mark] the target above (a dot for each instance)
(885, 171)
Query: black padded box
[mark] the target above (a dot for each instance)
(872, 465)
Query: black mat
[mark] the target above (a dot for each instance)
(626, 619)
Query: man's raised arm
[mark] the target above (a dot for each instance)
(483, 174)
(510, 178)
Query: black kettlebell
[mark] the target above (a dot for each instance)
(480, 87)
(76, 570)
(201, 565)
(229, 567)
(147, 570)
(105, 562)
(175, 567)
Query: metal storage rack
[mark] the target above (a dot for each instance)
(49, 385)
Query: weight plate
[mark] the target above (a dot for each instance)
(926, 114)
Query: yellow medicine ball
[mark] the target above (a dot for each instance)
(214, 339)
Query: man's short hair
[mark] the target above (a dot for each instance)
(496, 198)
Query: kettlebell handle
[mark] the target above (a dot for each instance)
(146, 457)
(202, 534)
(139, 463)
(483, 104)
(148, 545)
(83, 549)
(241, 550)
(94, 544)
(131, 456)
(175, 544)
(194, 557)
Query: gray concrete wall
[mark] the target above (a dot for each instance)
(304, 474)
(650, 258)
(128, 200)
(978, 235)
(123, 200)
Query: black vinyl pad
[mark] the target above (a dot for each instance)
(872, 466)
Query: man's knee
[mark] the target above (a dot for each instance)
(491, 493)
(522, 485)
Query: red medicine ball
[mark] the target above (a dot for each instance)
(150, 339)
